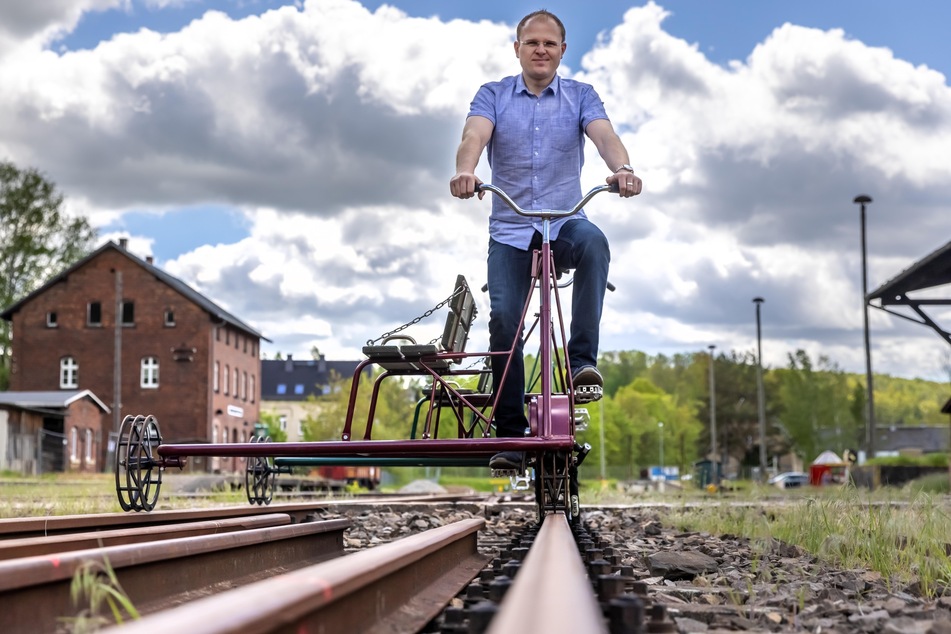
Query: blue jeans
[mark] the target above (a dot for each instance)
(580, 246)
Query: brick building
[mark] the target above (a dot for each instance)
(143, 342)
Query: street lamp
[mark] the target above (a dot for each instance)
(761, 397)
(660, 426)
(862, 200)
(713, 413)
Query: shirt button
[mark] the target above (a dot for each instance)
(536, 128)
(536, 153)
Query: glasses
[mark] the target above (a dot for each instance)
(548, 45)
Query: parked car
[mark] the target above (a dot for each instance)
(789, 480)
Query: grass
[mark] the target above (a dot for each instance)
(902, 534)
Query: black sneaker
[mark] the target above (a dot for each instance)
(507, 461)
(588, 384)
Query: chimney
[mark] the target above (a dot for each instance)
(289, 363)
(123, 243)
(321, 364)
(149, 259)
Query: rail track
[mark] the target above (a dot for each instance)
(451, 566)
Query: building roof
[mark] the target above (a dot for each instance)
(926, 438)
(932, 270)
(187, 291)
(293, 380)
(49, 400)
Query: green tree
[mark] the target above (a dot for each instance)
(37, 240)
(272, 422)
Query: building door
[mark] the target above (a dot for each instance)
(52, 446)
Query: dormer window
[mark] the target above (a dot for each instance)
(51, 319)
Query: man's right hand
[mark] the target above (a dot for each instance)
(463, 185)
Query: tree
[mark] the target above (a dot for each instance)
(37, 240)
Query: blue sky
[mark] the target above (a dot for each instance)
(291, 160)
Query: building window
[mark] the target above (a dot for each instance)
(51, 319)
(169, 317)
(215, 379)
(218, 334)
(299, 389)
(149, 373)
(281, 388)
(244, 386)
(237, 339)
(245, 344)
(235, 384)
(89, 459)
(74, 444)
(68, 373)
(128, 313)
(283, 420)
(227, 379)
(93, 314)
(227, 337)
(253, 388)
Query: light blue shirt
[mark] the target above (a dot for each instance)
(536, 150)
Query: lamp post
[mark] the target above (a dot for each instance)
(760, 396)
(862, 200)
(713, 418)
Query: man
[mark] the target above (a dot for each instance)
(534, 125)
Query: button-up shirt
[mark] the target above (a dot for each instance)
(536, 150)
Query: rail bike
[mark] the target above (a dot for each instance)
(452, 423)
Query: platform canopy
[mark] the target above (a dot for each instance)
(917, 287)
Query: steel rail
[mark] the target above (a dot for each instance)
(395, 587)
(20, 527)
(35, 546)
(551, 592)
(35, 591)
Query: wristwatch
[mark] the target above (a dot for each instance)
(624, 167)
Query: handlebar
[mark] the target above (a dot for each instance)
(545, 213)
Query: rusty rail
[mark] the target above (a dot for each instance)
(34, 591)
(35, 546)
(404, 584)
(20, 527)
(551, 592)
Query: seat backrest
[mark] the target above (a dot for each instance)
(462, 312)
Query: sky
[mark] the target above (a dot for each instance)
(291, 160)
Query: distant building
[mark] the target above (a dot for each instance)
(288, 384)
(44, 432)
(911, 439)
(143, 342)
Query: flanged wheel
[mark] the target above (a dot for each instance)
(138, 472)
(259, 476)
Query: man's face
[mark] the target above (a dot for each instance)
(540, 48)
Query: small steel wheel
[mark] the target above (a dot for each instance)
(259, 476)
(138, 472)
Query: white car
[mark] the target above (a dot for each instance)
(789, 480)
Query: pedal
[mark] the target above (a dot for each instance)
(582, 418)
(520, 482)
(588, 394)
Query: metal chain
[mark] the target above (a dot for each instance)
(429, 312)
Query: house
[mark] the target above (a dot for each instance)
(43, 432)
(287, 385)
(146, 344)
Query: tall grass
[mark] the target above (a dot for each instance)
(905, 537)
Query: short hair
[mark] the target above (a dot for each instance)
(537, 14)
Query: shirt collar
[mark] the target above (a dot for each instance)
(520, 86)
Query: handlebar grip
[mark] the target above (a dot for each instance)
(611, 287)
(615, 189)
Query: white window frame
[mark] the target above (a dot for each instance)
(149, 373)
(215, 377)
(74, 444)
(89, 459)
(68, 373)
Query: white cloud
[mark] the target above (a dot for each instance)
(333, 129)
